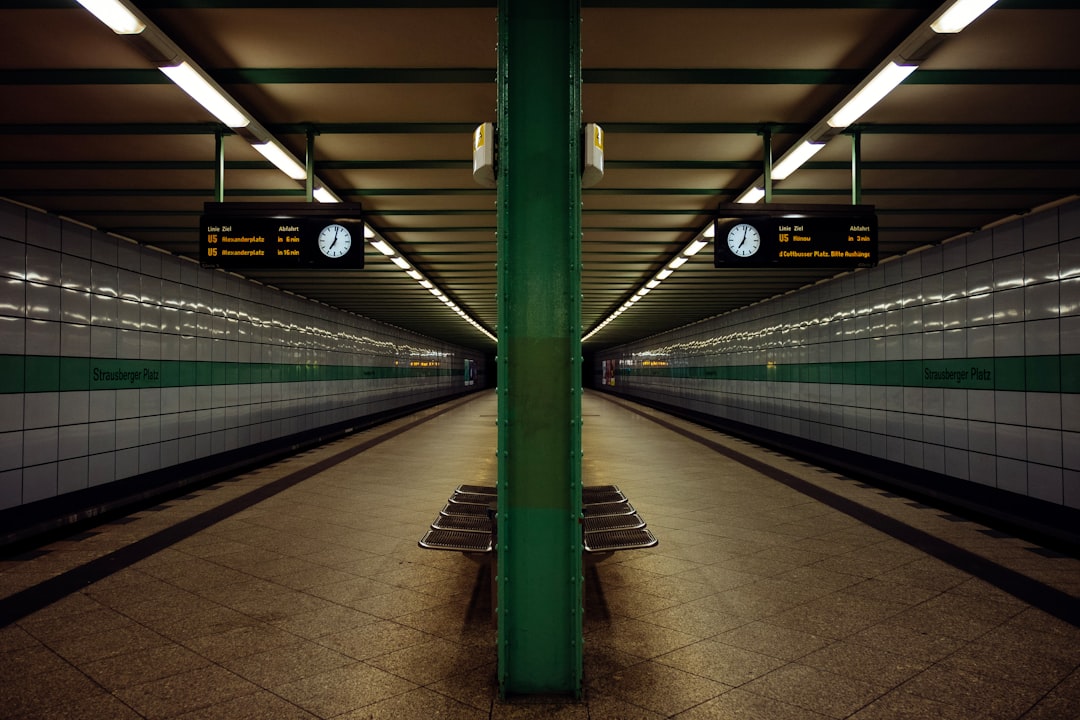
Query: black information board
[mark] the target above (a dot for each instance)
(255, 236)
(794, 236)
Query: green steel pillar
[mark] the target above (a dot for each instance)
(219, 166)
(856, 167)
(539, 572)
(309, 166)
(766, 142)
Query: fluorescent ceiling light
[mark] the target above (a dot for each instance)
(324, 196)
(195, 85)
(956, 18)
(795, 159)
(383, 247)
(677, 263)
(401, 262)
(435, 291)
(642, 292)
(879, 86)
(369, 232)
(695, 247)
(652, 283)
(664, 274)
(710, 230)
(414, 275)
(275, 154)
(426, 284)
(116, 15)
(751, 196)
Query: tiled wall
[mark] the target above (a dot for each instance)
(962, 359)
(117, 359)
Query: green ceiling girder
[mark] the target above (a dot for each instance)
(299, 191)
(178, 165)
(634, 76)
(433, 128)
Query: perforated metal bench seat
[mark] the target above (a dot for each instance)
(465, 523)
(632, 521)
(481, 489)
(607, 509)
(612, 540)
(460, 540)
(465, 509)
(472, 498)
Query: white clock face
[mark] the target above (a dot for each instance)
(335, 240)
(744, 240)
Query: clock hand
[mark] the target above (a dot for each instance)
(743, 238)
(335, 240)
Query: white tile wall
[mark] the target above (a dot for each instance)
(1013, 291)
(67, 290)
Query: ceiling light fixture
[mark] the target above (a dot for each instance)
(695, 247)
(325, 196)
(116, 15)
(871, 93)
(752, 195)
(383, 247)
(281, 159)
(959, 15)
(203, 92)
(795, 159)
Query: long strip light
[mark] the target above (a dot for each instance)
(324, 196)
(871, 94)
(751, 195)
(961, 14)
(281, 159)
(202, 92)
(116, 15)
(795, 159)
(385, 248)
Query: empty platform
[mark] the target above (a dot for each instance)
(783, 592)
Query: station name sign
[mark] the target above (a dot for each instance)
(256, 236)
(796, 236)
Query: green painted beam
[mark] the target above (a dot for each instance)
(434, 128)
(633, 76)
(177, 165)
(539, 541)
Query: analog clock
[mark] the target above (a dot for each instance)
(335, 240)
(744, 239)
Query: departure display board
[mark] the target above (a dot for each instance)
(794, 236)
(255, 236)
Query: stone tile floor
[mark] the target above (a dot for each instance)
(762, 601)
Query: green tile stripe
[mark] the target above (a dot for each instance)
(36, 373)
(1037, 373)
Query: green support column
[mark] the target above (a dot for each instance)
(309, 166)
(766, 142)
(219, 166)
(539, 363)
(856, 167)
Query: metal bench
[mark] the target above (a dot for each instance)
(466, 522)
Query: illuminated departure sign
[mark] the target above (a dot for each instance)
(255, 236)
(794, 236)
